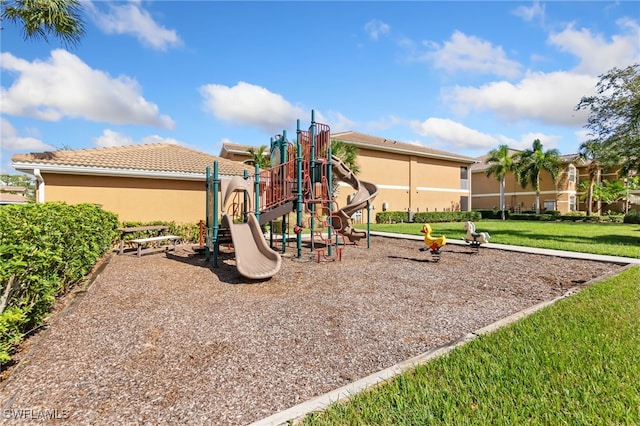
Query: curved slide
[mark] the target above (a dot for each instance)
(254, 258)
(365, 193)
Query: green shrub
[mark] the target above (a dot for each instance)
(427, 217)
(493, 213)
(46, 248)
(632, 217)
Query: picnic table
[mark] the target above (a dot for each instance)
(158, 230)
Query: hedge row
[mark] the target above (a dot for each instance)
(44, 250)
(426, 217)
(619, 218)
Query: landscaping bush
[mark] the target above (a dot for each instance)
(46, 248)
(493, 214)
(632, 217)
(427, 217)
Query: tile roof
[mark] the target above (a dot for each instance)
(375, 142)
(237, 148)
(161, 158)
(8, 198)
(481, 166)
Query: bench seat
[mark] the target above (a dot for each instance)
(142, 242)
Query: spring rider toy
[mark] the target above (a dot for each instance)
(433, 244)
(473, 238)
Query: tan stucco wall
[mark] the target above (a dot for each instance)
(409, 182)
(486, 192)
(133, 199)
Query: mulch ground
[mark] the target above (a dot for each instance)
(166, 338)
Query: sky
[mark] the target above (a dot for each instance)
(463, 77)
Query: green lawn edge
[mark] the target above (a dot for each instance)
(613, 239)
(574, 362)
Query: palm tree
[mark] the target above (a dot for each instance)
(259, 157)
(590, 152)
(348, 154)
(531, 162)
(500, 162)
(38, 18)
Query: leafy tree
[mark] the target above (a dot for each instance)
(591, 152)
(614, 116)
(530, 163)
(348, 154)
(259, 157)
(42, 18)
(500, 162)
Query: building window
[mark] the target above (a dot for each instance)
(464, 177)
(572, 203)
(572, 174)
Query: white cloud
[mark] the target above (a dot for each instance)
(453, 135)
(526, 141)
(132, 19)
(536, 11)
(387, 122)
(596, 54)
(472, 54)
(110, 138)
(65, 86)
(550, 98)
(337, 121)
(12, 141)
(376, 28)
(248, 104)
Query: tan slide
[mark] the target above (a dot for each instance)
(365, 193)
(254, 258)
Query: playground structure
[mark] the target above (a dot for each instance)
(473, 238)
(299, 180)
(433, 244)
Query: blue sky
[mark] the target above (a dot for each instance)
(458, 76)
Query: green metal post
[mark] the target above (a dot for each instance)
(257, 189)
(312, 171)
(245, 199)
(368, 225)
(330, 203)
(216, 220)
(207, 252)
(283, 177)
(299, 201)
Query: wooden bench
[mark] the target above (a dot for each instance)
(141, 242)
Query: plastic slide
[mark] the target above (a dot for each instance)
(254, 258)
(365, 193)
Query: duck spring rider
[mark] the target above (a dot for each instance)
(433, 244)
(474, 238)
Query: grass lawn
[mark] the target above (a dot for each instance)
(575, 362)
(615, 239)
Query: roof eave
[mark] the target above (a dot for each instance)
(413, 152)
(104, 171)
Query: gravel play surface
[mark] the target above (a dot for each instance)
(166, 339)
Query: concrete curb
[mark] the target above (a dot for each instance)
(531, 250)
(298, 412)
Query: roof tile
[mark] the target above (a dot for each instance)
(392, 145)
(161, 157)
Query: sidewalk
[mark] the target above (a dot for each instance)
(532, 250)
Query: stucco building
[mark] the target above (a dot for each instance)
(408, 177)
(562, 195)
(144, 183)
